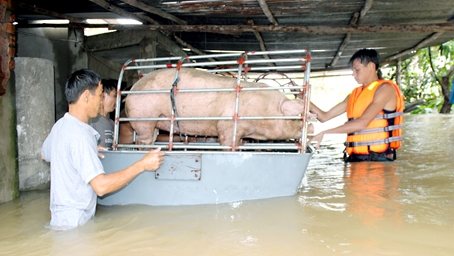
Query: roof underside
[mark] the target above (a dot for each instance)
(332, 29)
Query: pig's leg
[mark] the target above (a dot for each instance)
(225, 134)
(138, 107)
(310, 129)
(146, 132)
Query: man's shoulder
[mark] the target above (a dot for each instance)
(387, 86)
(387, 83)
(64, 123)
(69, 126)
(101, 122)
(95, 119)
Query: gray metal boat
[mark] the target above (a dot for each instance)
(208, 178)
(206, 172)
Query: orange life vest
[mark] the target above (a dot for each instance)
(376, 137)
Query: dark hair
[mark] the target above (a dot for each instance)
(365, 56)
(108, 85)
(78, 82)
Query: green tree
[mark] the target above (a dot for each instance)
(427, 76)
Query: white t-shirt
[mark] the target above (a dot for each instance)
(71, 149)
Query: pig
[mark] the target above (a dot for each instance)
(209, 104)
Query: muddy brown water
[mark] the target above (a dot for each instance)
(400, 208)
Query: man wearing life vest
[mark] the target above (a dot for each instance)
(374, 112)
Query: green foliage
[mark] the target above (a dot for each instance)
(419, 76)
(429, 106)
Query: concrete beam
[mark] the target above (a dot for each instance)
(126, 38)
(169, 45)
(113, 40)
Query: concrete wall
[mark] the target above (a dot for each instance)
(105, 68)
(35, 112)
(111, 70)
(62, 51)
(63, 47)
(8, 149)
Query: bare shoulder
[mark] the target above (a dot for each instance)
(386, 84)
(386, 89)
(386, 96)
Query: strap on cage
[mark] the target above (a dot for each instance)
(172, 100)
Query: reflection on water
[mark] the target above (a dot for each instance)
(400, 208)
(372, 191)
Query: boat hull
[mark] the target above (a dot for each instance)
(207, 178)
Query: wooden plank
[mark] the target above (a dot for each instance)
(153, 10)
(319, 30)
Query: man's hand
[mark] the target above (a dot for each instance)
(152, 160)
(318, 138)
(101, 148)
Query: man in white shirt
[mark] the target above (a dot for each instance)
(77, 175)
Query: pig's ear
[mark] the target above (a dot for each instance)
(292, 107)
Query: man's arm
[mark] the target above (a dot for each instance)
(323, 116)
(45, 150)
(101, 148)
(107, 183)
(384, 96)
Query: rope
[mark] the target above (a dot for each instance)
(173, 91)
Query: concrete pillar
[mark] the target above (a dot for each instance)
(35, 117)
(8, 150)
(148, 51)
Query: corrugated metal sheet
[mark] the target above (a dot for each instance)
(312, 13)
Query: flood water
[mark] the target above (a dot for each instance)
(400, 208)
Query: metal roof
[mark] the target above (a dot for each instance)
(332, 29)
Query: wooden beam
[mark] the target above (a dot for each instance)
(340, 50)
(367, 5)
(267, 12)
(192, 48)
(261, 42)
(319, 30)
(416, 47)
(71, 25)
(49, 13)
(356, 20)
(153, 10)
(144, 17)
(224, 29)
(123, 13)
(83, 25)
